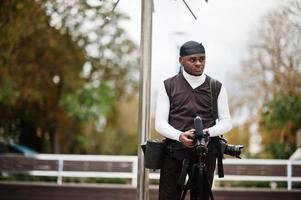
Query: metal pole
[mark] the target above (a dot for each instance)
(144, 94)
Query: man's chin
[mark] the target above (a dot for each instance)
(198, 73)
(195, 73)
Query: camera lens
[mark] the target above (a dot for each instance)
(233, 150)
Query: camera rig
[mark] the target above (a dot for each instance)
(199, 173)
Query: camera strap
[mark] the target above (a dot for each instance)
(213, 90)
(220, 155)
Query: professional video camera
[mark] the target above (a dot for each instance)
(199, 172)
(202, 139)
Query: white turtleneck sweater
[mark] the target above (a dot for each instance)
(222, 126)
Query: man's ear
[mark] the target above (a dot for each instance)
(180, 60)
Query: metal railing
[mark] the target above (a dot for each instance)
(292, 169)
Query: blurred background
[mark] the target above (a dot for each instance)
(69, 77)
(69, 71)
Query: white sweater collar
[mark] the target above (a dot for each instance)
(194, 81)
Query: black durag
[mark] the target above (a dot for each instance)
(190, 48)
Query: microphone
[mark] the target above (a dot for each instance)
(201, 145)
(198, 125)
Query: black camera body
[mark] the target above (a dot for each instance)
(229, 149)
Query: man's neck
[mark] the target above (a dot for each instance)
(194, 81)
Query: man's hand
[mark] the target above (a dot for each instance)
(186, 138)
(207, 135)
(206, 132)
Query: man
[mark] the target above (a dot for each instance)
(180, 99)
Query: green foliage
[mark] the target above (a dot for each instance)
(281, 110)
(8, 95)
(26, 178)
(79, 144)
(88, 102)
(280, 119)
(32, 55)
(59, 79)
(111, 57)
(111, 63)
(120, 142)
(280, 150)
(252, 184)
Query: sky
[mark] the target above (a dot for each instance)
(223, 26)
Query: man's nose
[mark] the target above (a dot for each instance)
(198, 62)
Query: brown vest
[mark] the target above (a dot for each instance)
(186, 103)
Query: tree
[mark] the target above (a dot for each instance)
(111, 63)
(281, 116)
(60, 79)
(38, 66)
(273, 69)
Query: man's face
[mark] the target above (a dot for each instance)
(194, 64)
